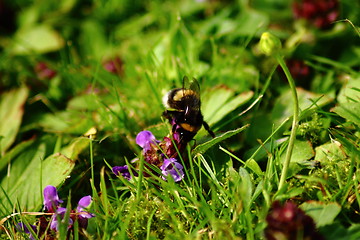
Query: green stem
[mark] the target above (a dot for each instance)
(140, 179)
(294, 123)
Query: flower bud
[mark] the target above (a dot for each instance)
(269, 44)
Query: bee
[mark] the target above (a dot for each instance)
(183, 110)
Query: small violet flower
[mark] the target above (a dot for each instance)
(21, 227)
(59, 215)
(51, 198)
(172, 167)
(81, 214)
(124, 171)
(52, 206)
(145, 139)
(161, 154)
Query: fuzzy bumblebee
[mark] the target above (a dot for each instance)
(184, 112)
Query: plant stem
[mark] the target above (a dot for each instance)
(294, 123)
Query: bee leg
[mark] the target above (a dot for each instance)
(207, 128)
(166, 114)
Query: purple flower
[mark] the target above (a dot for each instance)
(21, 227)
(81, 215)
(59, 215)
(84, 215)
(172, 167)
(51, 198)
(124, 171)
(145, 139)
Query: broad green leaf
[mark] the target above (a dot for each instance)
(291, 193)
(27, 189)
(350, 92)
(89, 102)
(14, 152)
(11, 112)
(254, 166)
(246, 186)
(202, 148)
(37, 39)
(221, 101)
(322, 213)
(29, 173)
(302, 152)
(22, 165)
(73, 122)
(307, 100)
(75, 147)
(337, 231)
(300, 156)
(329, 152)
(350, 111)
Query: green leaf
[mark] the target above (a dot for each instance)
(221, 101)
(307, 100)
(27, 188)
(329, 152)
(350, 92)
(29, 173)
(69, 121)
(336, 231)
(246, 187)
(11, 113)
(202, 148)
(14, 152)
(38, 39)
(350, 111)
(254, 166)
(75, 147)
(322, 213)
(302, 152)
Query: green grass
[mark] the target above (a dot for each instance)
(68, 130)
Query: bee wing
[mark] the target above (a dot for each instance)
(185, 83)
(194, 85)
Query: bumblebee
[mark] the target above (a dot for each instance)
(183, 110)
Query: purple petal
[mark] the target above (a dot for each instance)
(84, 203)
(173, 168)
(54, 225)
(144, 139)
(59, 214)
(51, 198)
(124, 171)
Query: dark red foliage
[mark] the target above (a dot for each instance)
(301, 72)
(321, 13)
(288, 221)
(114, 65)
(43, 71)
(298, 69)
